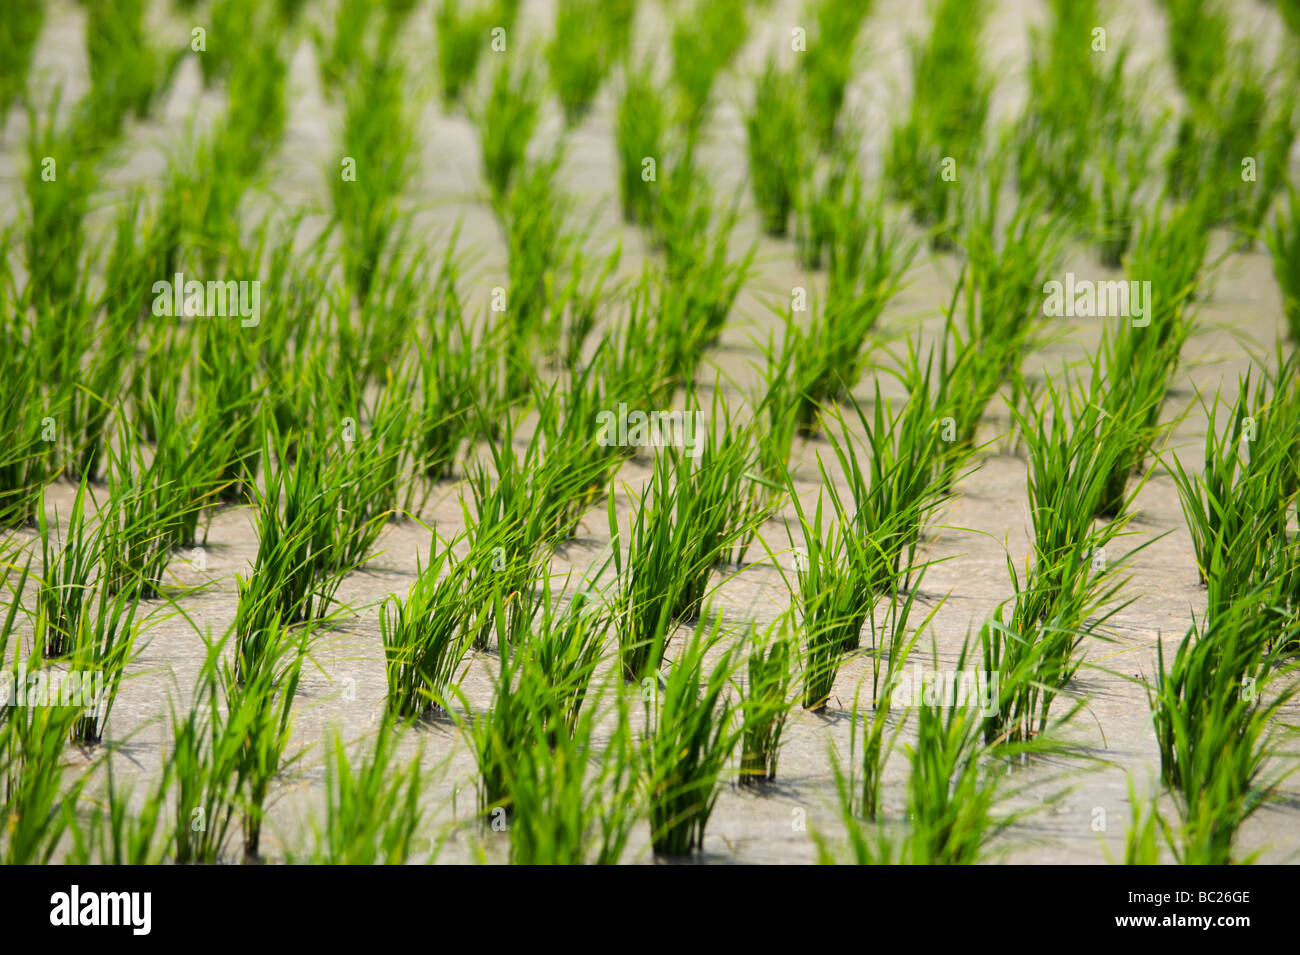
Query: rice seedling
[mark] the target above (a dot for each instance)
(424, 641)
(37, 798)
(462, 31)
(834, 598)
(952, 798)
(18, 35)
(259, 709)
(372, 809)
(639, 136)
(102, 646)
(1211, 711)
(66, 577)
(1236, 508)
(690, 519)
(1283, 242)
(704, 41)
(690, 736)
(829, 355)
(773, 129)
(378, 161)
(506, 121)
(127, 72)
(766, 702)
(114, 835)
(568, 808)
(828, 64)
(589, 36)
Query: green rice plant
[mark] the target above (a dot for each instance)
(141, 521)
(58, 198)
(1236, 508)
(690, 519)
(127, 72)
(535, 216)
(345, 48)
(952, 798)
(700, 281)
(775, 409)
(462, 32)
(828, 64)
(259, 709)
(37, 798)
(705, 38)
(773, 127)
(834, 597)
(208, 755)
(589, 35)
(378, 161)
(1213, 709)
(66, 588)
(829, 355)
(946, 120)
(115, 835)
(872, 743)
(691, 733)
(766, 702)
(1283, 242)
(424, 641)
(571, 809)
(639, 137)
(506, 121)
(103, 645)
(27, 457)
(372, 808)
(1060, 599)
(18, 35)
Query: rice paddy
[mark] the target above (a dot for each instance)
(626, 431)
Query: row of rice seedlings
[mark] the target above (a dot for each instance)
(1283, 241)
(950, 100)
(590, 36)
(378, 161)
(1237, 507)
(1214, 711)
(462, 31)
